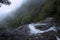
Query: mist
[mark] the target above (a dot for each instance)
(7, 10)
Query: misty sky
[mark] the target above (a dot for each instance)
(6, 9)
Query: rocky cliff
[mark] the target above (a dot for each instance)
(43, 30)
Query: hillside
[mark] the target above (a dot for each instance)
(34, 20)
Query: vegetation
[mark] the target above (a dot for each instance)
(35, 11)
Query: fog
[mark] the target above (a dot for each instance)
(6, 10)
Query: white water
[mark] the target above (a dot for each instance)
(57, 38)
(33, 30)
(51, 28)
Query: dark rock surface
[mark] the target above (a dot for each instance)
(36, 31)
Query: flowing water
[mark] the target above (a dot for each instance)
(34, 31)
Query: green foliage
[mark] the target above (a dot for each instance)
(48, 10)
(34, 12)
(25, 19)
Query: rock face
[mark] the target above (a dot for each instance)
(35, 31)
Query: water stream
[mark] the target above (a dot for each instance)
(34, 31)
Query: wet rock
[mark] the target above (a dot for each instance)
(36, 31)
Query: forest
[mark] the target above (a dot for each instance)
(33, 20)
(34, 11)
